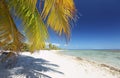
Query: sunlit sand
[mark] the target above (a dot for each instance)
(51, 64)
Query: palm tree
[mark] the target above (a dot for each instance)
(50, 46)
(35, 21)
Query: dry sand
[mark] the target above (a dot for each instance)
(51, 64)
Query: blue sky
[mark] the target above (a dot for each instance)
(98, 26)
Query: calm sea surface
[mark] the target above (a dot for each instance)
(110, 57)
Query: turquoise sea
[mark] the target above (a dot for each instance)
(109, 57)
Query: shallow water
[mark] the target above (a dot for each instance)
(110, 57)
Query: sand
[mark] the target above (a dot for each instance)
(51, 64)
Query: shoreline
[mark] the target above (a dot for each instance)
(53, 64)
(111, 68)
(90, 60)
(105, 67)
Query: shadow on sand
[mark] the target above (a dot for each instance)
(29, 67)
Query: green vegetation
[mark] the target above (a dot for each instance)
(53, 47)
(55, 14)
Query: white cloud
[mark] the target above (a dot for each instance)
(56, 44)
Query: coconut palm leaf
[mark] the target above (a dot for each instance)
(33, 25)
(29, 4)
(58, 14)
(8, 31)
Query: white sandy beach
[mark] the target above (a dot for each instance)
(50, 64)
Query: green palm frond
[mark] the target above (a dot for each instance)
(59, 13)
(56, 13)
(28, 4)
(8, 31)
(33, 25)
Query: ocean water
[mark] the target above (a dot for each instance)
(109, 57)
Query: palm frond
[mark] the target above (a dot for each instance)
(58, 14)
(33, 25)
(29, 4)
(8, 31)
